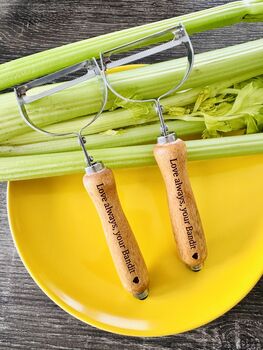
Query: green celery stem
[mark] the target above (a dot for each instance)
(54, 164)
(124, 137)
(33, 66)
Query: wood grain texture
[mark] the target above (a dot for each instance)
(186, 222)
(28, 319)
(124, 249)
(28, 27)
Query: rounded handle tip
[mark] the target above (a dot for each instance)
(143, 295)
(196, 268)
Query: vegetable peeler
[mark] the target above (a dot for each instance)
(99, 181)
(170, 152)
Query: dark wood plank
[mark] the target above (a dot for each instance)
(28, 319)
(27, 27)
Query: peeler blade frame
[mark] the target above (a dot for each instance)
(92, 69)
(22, 89)
(180, 36)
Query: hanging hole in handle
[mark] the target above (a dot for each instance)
(136, 280)
(195, 256)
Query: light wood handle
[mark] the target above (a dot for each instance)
(123, 246)
(185, 218)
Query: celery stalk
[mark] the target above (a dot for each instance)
(135, 115)
(33, 66)
(112, 138)
(54, 164)
(146, 82)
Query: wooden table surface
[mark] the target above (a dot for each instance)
(28, 319)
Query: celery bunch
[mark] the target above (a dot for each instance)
(227, 65)
(213, 112)
(223, 97)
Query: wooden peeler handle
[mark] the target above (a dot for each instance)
(123, 246)
(186, 222)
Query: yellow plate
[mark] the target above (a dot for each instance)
(59, 238)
